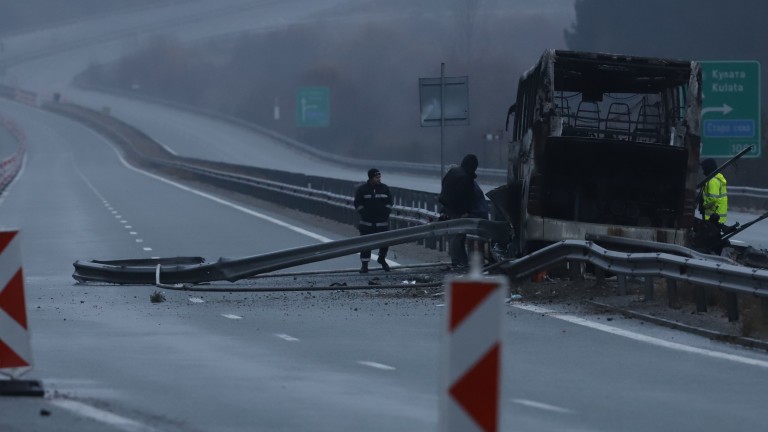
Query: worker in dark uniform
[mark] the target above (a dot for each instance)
(373, 203)
(457, 197)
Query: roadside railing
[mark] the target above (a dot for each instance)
(11, 165)
(698, 271)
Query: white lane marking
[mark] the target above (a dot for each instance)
(139, 241)
(232, 317)
(123, 221)
(117, 216)
(147, 249)
(642, 338)
(196, 300)
(440, 305)
(133, 233)
(294, 228)
(375, 365)
(128, 227)
(114, 420)
(114, 212)
(286, 337)
(542, 406)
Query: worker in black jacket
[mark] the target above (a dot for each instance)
(373, 203)
(457, 197)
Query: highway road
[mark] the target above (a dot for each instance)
(322, 361)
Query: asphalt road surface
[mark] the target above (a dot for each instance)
(110, 359)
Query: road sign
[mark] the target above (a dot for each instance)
(313, 107)
(730, 114)
(471, 382)
(456, 102)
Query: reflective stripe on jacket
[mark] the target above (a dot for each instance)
(374, 204)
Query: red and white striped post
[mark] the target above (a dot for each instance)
(471, 361)
(15, 349)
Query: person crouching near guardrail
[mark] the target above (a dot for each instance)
(373, 202)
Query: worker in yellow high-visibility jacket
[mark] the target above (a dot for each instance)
(714, 194)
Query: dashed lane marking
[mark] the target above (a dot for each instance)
(375, 365)
(542, 406)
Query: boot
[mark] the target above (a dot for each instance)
(364, 268)
(383, 262)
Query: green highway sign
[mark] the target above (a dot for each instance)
(730, 112)
(313, 107)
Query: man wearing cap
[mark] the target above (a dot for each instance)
(373, 203)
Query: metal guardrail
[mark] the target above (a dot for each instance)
(698, 271)
(747, 191)
(400, 213)
(194, 270)
(11, 165)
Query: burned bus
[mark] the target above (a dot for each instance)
(602, 144)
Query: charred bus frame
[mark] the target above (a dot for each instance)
(602, 144)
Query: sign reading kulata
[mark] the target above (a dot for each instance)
(730, 114)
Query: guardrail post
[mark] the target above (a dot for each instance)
(622, 284)
(599, 276)
(648, 289)
(732, 306)
(701, 298)
(672, 294)
(764, 309)
(575, 270)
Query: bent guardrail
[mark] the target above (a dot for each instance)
(194, 270)
(699, 271)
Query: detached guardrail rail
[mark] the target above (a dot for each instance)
(194, 270)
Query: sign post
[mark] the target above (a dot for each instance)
(730, 114)
(443, 102)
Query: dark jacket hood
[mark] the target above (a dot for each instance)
(470, 163)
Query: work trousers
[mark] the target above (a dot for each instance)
(365, 255)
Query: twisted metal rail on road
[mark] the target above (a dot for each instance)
(194, 270)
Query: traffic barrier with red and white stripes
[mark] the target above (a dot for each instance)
(15, 347)
(15, 351)
(471, 378)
